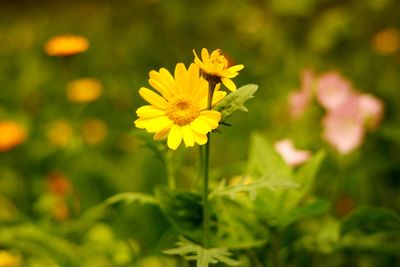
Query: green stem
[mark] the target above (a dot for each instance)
(170, 170)
(206, 216)
(276, 243)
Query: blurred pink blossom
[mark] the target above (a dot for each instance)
(290, 154)
(371, 109)
(332, 90)
(299, 100)
(343, 126)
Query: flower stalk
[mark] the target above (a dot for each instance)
(212, 83)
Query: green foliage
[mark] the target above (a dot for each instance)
(203, 256)
(132, 197)
(264, 161)
(235, 101)
(182, 209)
(312, 209)
(370, 219)
(283, 206)
(251, 188)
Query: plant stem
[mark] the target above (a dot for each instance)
(206, 216)
(276, 243)
(170, 170)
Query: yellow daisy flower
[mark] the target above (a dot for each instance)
(84, 90)
(180, 112)
(66, 45)
(11, 135)
(216, 67)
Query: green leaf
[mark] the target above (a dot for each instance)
(182, 209)
(314, 208)
(203, 256)
(305, 177)
(371, 219)
(252, 187)
(235, 100)
(264, 161)
(132, 197)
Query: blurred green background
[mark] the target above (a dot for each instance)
(275, 40)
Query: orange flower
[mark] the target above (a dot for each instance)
(84, 90)
(386, 41)
(11, 134)
(66, 45)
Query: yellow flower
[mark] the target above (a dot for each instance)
(216, 66)
(180, 113)
(60, 133)
(66, 45)
(94, 131)
(84, 90)
(8, 259)
(11, 135)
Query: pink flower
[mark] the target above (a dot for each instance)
(371, 109)
(332, 90)
(343, 127)
(299, 100)
(290, 154)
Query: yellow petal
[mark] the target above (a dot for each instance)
(211, 114)
(188, 137)
(174, 137)
(227, 74)
(162, 134)
(218, 95)
(153, 98)
(215, 54)
(204, 55)
(197, 60)
(160, 88)
(200, 139)
(200, 126)
(149, 111)
(193, 77)
(229, 84)
(213, 124)
(153, 125)
(181, 77)
(236, 68)
(168, 80)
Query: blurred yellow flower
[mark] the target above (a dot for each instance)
(8, 259)
(180, 112)
(11, 135)
(59, 133)
(94, 131)
(84, 90)
(386, 41)
(66, 45)
(216, 67)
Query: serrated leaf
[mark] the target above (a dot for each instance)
(251, 188)
(305, 177)
(314, 208)
(182, 209)
(264, 161)
(203, 256)
(235, 100)
(371, 219)
(132, 197)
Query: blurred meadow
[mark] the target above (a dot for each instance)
(68, 140)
